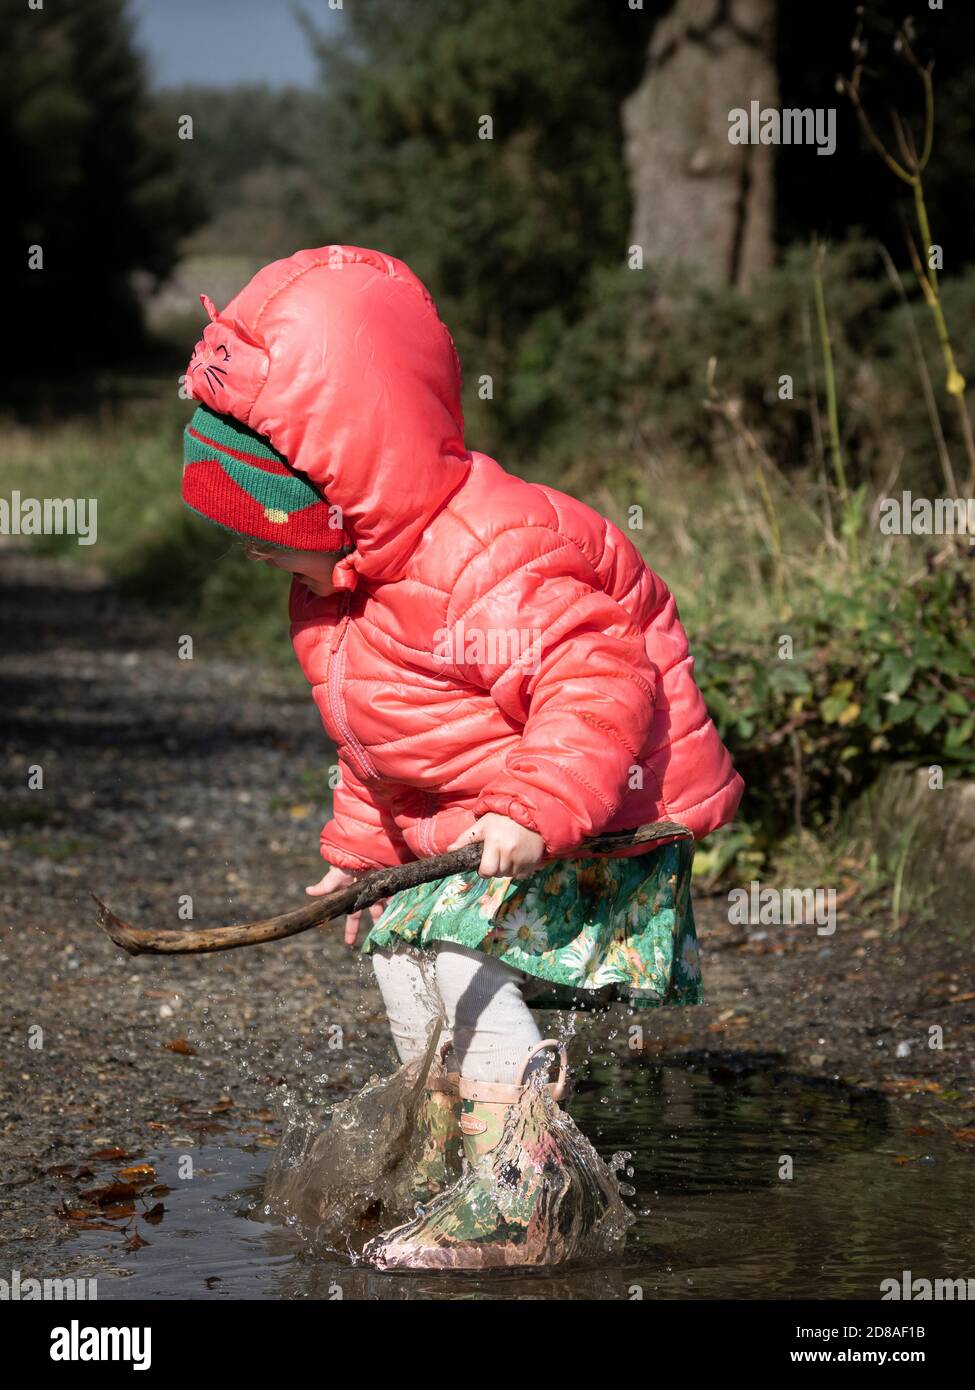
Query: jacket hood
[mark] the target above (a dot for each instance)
(339, 357)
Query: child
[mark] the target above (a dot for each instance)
(495, 664)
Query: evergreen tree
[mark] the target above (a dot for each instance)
(94, 180)
(412, 90)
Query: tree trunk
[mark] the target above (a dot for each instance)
(697, 198)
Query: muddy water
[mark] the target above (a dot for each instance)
(714, 1218)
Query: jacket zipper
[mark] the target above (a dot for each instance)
(336, 669)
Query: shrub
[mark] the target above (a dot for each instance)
(883, 670)
(633, 369)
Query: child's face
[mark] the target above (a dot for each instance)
(312, 567)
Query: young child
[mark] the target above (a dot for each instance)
(495, 663)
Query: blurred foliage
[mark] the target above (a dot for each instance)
(93, 176)
(502, 228)
(882, 670)
(251, 163)
(522, 238)
(570, 379)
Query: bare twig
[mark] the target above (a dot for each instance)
(847, 503)
(911, 172)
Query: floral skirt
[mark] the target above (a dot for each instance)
(613, 928)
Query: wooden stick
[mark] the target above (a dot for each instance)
(370, 888)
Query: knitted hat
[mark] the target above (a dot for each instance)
(232, 476)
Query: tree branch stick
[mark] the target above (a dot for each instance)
(370, 888)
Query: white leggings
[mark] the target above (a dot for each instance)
(483, 1000)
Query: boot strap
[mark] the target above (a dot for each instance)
(500, 1093)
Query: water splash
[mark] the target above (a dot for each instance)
(579, 1213)
(346, 1171)
(542, 1197)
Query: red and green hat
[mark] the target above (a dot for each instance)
(233, 476)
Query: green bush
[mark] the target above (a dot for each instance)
(633, 369)
(882, 670)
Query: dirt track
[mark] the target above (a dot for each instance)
(164, 778)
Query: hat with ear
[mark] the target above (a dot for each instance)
(235, 478)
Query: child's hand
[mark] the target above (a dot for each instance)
(344, 878)
(510, 851)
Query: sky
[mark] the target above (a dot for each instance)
(223, 42)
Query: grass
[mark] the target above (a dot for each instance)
(148, 544)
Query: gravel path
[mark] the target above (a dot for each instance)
(163, 778)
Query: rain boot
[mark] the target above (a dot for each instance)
(436, 1149)
(533, 1191)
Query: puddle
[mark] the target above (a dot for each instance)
(714, 1219)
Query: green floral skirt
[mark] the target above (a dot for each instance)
(618, 928)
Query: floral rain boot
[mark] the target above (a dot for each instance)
(533, 1192)
(436, 1149)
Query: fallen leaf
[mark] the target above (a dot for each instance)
(138, 1173)
(111, 1192)
(83, 1220)
(181, 1046)
(72, 1213)
(135, 1241)
(155, 1214)
(61, 1170)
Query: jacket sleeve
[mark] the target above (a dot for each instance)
(580, 683)
(362, 833)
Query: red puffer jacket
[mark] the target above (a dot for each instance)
(494, 645)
